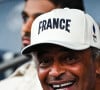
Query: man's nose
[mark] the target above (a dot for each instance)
(57, 70)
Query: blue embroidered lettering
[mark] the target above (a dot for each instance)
(67, 24)
(49, 24)
(54, 23)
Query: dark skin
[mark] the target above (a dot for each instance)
(65, 69)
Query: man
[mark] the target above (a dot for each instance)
(23, 77)
(32, 9)
(64, 43)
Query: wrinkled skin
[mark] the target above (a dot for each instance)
(65, 69)
(32, 9)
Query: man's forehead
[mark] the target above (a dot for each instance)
(38, 6)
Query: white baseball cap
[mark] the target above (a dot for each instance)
(70, 28)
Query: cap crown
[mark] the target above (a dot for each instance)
(66, 25)
(71, 28)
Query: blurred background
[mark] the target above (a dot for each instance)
(10, 27)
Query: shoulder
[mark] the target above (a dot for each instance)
(10, 84)
(20, 83)
(21, 71)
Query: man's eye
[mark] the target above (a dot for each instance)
(45, 62)
(70, 59)
(25, 18)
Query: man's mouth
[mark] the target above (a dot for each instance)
(62, 86)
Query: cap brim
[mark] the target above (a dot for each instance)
(36, 46)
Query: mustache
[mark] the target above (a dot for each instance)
(62, 77)
(27, 34)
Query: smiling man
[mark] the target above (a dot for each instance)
(68, 70)
(66, 60)
(25, 77)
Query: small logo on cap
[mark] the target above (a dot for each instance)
(94, 34)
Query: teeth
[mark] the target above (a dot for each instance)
(66, 84)
(56, 86)
(62, 85)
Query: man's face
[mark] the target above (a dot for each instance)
(33, 8)
(65, 69)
